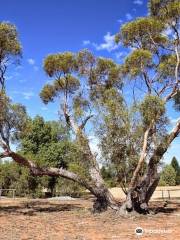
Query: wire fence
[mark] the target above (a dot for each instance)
(8, 190)
(167, 193)
(163, 194)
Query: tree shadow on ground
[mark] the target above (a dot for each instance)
(167, 208)
(35, 207)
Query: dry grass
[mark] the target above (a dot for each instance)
(173, 190)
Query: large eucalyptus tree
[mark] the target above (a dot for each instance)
(153, 66)
(89, 87)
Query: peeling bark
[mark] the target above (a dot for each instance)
(140, 193)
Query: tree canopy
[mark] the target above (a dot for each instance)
(10, 48)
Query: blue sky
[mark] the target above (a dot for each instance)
(54, 26)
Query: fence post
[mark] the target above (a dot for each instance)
(169, 194)
(162, 194)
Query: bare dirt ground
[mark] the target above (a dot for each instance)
(23, 219)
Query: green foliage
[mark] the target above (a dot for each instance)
(119, 141)
(137, 33)
(8, 175)
(71, 72)
(152, 109)
(152, 48)
(109, 175)
(61, 66)
(48, 145)
(9, 42)
(56, 64)
(80, 105)
(85, 62)
(138, 62)
(10, 49)
(48, 93)
(36, 134)
(175, 165)
(76, 165)
(168, 176)
(167, 66)
(68, 188)
(48, 142)
(165, 10)
(59, 154)
(13, 176)
(13, 118)
(107, 72)
(65, 67)
(106, 76)
(19, 178)
(69, 83)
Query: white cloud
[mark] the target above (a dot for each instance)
(9, 77)
(129, 16)
(19, 67)
(31, 61)
(22, 80)
(28, 95)
(138, 2)
(44, 108)
(16, 74)
(120, 56)
(108, 44)
(86, 42)
(120, 21)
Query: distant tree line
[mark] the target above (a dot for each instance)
(170, 175)
(20, 178)
(40, 141)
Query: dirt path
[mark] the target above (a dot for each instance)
(60, 220)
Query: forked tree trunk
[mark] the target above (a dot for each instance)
(139, 195)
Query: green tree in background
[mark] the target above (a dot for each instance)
(49, 145)
(175, 165)
(40, 140)
(168, 176)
